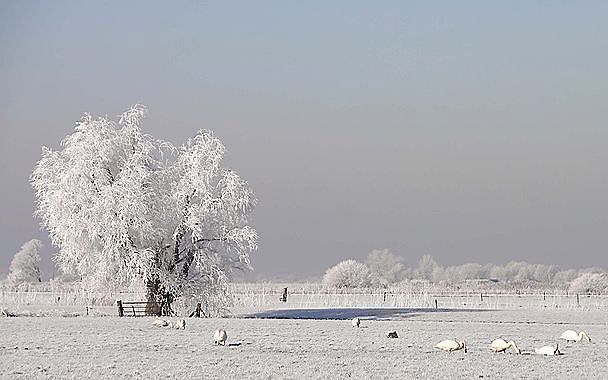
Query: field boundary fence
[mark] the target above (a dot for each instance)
(258, 297)
(265, 298)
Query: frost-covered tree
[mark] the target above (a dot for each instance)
(590, 283)
(545, 273)
(25, 266)
(348, 274)
(563, 277)
(470, 271)
(385, 267)
(123, 207)
(426, 266)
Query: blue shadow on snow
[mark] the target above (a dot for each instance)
(349, 313)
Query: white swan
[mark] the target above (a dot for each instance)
(452, 345)
(548, 350)
(356, 322)
(220, 337)
(572, 336)
(162, 323)
(501, 345)
(180, 324)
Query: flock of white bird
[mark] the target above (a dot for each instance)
(220, 337)
(499, 345)
(179, 324)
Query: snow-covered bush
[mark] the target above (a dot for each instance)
(25, 267)
(590, 283)
(348, 274)
(122, 206)
(385, 267)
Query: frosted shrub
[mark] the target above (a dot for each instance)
(348, 274)
(25, 267)
(590, 283)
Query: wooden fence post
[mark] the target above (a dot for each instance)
(384, 297)
(121, 312)
(578, 301)
(198, 310)
(435, 304)
(481, 296)
(544, 296)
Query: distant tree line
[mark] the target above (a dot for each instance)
(383, 268)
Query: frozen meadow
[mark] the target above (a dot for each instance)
(305, 343)
(134, 218)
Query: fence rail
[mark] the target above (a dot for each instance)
(257, 298)
(485, 301)
(65, 297)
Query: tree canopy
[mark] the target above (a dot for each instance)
(122, 206)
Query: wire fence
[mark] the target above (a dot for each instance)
(65, 297)
(267, 297)
(264, 300)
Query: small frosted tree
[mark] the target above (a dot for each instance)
(590, 283)
(426, 266)
(123, 207)
(564, 277)
(25, 267)
(348, 274)
(470, 271)
(384, 266)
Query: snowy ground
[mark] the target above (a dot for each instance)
(109, 347)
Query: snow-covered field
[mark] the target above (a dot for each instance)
(109, 347)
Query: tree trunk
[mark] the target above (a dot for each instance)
(158, 298)
(159, 301)
(188, 260)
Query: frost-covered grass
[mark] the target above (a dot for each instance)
(110, 347)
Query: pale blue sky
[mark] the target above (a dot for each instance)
(472, 131)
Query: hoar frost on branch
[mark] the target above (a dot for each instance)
(124, 207)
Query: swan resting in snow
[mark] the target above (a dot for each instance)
(452, 345)
(180, 324)
(162, 323)
(548, 350)
(356, 322)
(572, 336)
(501, 345)
(220, 337)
